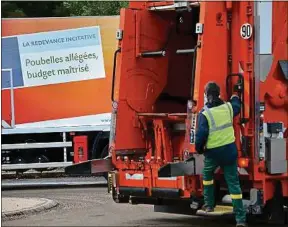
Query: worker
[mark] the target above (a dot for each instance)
(215, 139)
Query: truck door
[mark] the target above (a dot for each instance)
(141, 74)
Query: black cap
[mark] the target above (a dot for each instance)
(212, 89)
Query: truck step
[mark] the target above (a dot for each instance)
(227, 200)
(191, 166)
(218, 211)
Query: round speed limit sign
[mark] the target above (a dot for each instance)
(246, 31)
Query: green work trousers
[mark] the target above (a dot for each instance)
(232, 180)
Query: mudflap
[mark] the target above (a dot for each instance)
(91, 167)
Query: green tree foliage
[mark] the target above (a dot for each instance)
(95, 8)
(29, 9)
(61, 9)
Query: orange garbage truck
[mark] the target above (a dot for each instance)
(56, 84)
(167, 52)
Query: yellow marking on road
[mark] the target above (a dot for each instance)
(218, 211)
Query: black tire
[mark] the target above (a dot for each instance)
(286, 210)
(19, 160)
(41, 159)
(274, 208)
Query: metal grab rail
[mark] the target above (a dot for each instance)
(193, 70)
(152, 54)
(185, 51)
(240, 89)
(114, 72)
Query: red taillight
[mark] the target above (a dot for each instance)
(243, 162)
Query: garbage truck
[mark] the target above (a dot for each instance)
(56, 83)
(167, 52)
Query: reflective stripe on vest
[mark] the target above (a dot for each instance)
(220, 121)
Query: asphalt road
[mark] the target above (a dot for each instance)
(95, 207)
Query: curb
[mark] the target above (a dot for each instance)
(46, 205)
(39, 186)
(14, 185)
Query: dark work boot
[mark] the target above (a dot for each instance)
(207, 209)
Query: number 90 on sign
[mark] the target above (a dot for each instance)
(246, 31)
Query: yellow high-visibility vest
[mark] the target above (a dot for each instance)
(220, 121)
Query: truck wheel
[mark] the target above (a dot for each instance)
(19, 160)
(104, 154)
(119, 198)
(275, 208)
(286, 210)
(41, 159)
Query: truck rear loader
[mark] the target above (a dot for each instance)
(167, 52)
